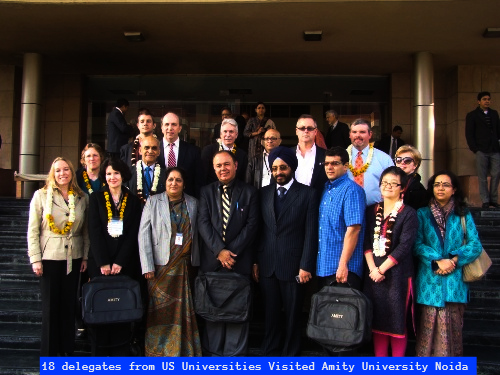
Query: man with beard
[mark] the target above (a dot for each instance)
(286, 252)
(366, 163)
(259, 169)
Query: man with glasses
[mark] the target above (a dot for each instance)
(482, 131)
(341, 224)
(366, 163)
(286, 252)
(259, 170)
(255, 129)
(310, 170)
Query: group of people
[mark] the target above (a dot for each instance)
(281, 216)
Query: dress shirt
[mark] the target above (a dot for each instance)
(305, 169)
(266, 170)
(334, 125)
(342, 205)
(379, 163)
(224, 147)
(166, 151)
(287, 186)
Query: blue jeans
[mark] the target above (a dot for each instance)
(488, 161)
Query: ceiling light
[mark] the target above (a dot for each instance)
(313, 36)
(134, 36)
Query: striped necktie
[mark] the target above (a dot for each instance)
(171, 156)
(226, 205)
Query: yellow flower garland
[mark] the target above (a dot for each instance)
(68, 225)
(108, 207)
(358, 172)
(87, 182)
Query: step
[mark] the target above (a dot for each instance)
(20, 336)
(20, 361)
(480, 332)
(21, 311)
(19, 291)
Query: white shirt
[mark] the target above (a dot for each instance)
(266, 170)
(304, 171)
(224, 147)
(287, 186)
(166, 151)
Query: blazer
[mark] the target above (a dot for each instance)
(132, 184)
(479, 136)
(338, 136)
(207, 155)
(118, 131)
(189, 160)
(254, 171)
(318, 178)
(436, 290)
(241, 230)
(416, 195)
(385, 144)
(47, 245)
(155, 232)
(126, 153)
(288, 242)
(104, 249)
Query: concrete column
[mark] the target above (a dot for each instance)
(31, 115)
(424, 124)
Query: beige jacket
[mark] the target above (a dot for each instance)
(47, 245)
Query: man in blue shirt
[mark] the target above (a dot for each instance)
(341, 224)
(366, 163)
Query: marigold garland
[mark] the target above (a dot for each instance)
(87, 182)
(233, 150)
(357, 172)
(50, 218)
(377, 251)
(110, 213)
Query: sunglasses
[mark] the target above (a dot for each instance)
(404, 161)
(308, 128)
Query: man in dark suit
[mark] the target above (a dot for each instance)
(174, 152)
(227, 244)
(259, 170)
(482, 131)
(229, 133)
(390, 144)
(338, 132)
(129, 153)
(311, 158)
(286, 252)
(117, 127)
(151, 174)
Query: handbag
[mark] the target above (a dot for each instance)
(475, 270)
(340, 318)
(111, 299)
(223, 297)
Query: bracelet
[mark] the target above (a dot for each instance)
(378, 269)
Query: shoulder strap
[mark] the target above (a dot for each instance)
(462, 220)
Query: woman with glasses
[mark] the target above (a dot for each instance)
(442, 252)
(88, 176)
(408, 158)
(391, 231)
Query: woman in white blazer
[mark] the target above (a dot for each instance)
(58, 246)
(168, 246)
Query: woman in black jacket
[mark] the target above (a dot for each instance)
(408, 158)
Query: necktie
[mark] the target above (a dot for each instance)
(171, 156)
(148, 184)
(358, 165)
(393, 148)
(226, 205)
(282, 192)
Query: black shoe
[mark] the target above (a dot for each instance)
(494, 204)
(81, 333)
(486, 205)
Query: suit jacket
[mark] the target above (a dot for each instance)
(338, 136)
(126, 153)
(118, 131)
(385, 144)
(45, 244)
(156, 230)
(479, 136)
(288, 242)
(189, 160)
(318, 178)
(241, 229)
(104, 249)
(207, 155)
(254, 171)
(132, 184)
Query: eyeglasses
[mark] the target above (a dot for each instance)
(445, 185)
(270, 139)
(404, 161)
(385, 184)
(280, 167)
(308, 128)
(334, 163)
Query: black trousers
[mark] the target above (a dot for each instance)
(278, 295)
(225, 339)
(110, 340)
(59, 293)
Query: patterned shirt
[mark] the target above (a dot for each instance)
(342, 205)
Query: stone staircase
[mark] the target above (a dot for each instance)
(20, 307)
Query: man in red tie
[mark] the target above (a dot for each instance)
(174, 152)
(366, 163)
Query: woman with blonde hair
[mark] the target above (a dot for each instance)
(58, 246)
(408, 158)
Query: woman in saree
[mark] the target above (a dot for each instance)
(168, 245)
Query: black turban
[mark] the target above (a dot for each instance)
(286, 154)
